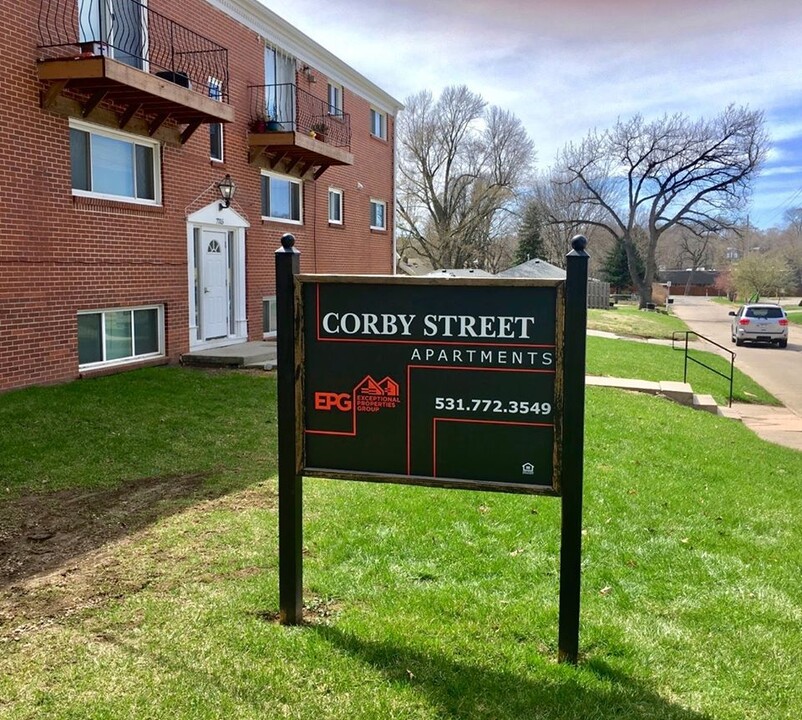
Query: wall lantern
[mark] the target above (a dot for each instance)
(227, 189)
(308, 74)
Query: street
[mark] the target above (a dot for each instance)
(777, 370)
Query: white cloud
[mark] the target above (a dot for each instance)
(568, 66)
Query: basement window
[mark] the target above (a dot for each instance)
(113, 337)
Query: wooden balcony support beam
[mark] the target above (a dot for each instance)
(157, 122)
(129, 113)
(52, 93)
(189, 130)
(94, 100)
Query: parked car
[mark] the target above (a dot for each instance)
(760, 322)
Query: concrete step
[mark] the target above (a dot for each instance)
(705, 402)
(256, 354)
(680, 392)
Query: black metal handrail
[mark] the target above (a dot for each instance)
(132, 33)
(285, 107)
(687, 333)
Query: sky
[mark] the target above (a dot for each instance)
(565, 67)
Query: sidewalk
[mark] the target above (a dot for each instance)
(778, 425)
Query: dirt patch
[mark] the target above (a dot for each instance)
(65, 551)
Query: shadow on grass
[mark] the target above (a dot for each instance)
(472, 692)
(43, 532)
(60, 552)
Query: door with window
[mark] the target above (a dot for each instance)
(280, 87)
(120, 25)
(214, 295)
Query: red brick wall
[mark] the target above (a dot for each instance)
(61, 254)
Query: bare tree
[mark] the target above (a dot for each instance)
(758, 274)
(461, 164)
(695, 249)
(670, 173)
(793, 219)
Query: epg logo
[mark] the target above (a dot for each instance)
(333, 401)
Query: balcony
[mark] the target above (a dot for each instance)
(137, 62)
(296, 133)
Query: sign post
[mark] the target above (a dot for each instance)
(290, 486)
(468, 383)
(576, 317)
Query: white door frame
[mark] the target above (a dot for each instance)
(212, 217)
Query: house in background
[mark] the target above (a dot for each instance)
(691, 282)
(127, 127)
(537, 269)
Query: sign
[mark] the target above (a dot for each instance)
(432, 381)
(468, 383)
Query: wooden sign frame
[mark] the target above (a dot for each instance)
(300, 373)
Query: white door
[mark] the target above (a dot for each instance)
(214, 293)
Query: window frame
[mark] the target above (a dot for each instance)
(336, 108)
(129, 359)
(341, 195)
(269, 308)
(216, 93)
(378, 203)
(134, 140)
(289, 179)
(382, 118)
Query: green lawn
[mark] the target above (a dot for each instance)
(795, 316)
(628, 320)
(423, 603)
(645, 361)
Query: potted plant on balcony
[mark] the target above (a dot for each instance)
(258, 124)
(318, 131)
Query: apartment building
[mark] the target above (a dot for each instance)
(155, 153)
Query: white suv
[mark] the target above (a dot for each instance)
(760, 322)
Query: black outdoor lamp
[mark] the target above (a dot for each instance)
(227, 189)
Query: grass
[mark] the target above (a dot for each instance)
(690, 591)
(645, 361)
(158, 423)
(628, 320)
(428, 603)
(795, 316)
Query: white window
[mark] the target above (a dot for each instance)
(281, 198)
(113, 337)
(378, 209)
(335, 206)
(335, 99)
(269, 315)
(107, 163)
(216, 129)
(378, 124)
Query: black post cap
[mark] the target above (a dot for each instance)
(287, 241)
(579, 242)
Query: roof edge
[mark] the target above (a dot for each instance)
(273, 28)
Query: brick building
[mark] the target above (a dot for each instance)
(123, 122)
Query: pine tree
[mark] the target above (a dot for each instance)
(530, 239)
(615, 269)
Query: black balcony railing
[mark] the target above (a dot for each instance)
(130, 32)
(288, 107)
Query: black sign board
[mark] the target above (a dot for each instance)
(432, 381)
(446, 382)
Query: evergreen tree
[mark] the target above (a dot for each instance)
(530, 238)
(615, 269)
